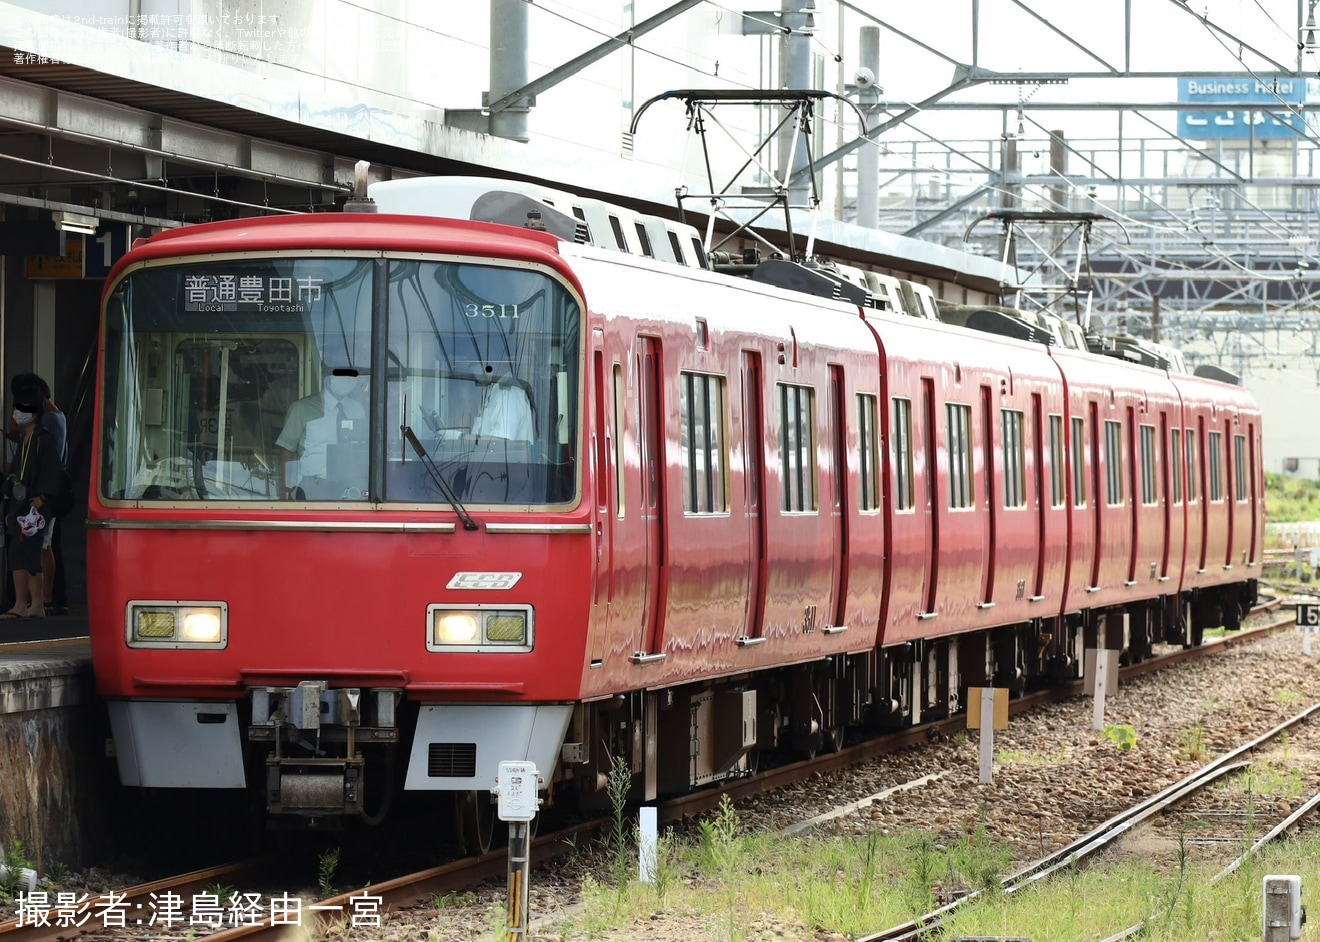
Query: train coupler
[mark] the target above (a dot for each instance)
(314, 786)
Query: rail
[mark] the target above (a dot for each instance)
(1101, 837)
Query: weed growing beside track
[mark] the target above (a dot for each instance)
(1177, 906)
(760, 886)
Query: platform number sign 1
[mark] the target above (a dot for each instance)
(102, 250)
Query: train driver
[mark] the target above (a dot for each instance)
(506, 409)
(323, 445)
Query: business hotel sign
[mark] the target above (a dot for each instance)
(1241, 108)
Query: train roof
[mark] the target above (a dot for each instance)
(342, 232)
(417, 210)
(571, 217)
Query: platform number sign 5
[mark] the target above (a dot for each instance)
(1308, 615)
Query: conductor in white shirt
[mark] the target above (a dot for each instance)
(506, 410)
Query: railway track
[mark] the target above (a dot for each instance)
(365, 907)
(1110, 832)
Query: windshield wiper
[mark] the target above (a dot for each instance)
(439, 478)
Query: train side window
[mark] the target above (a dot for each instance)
(1192, 473)
(617, 228)
(1079, 462)
(1056, 461)
(960, 455)
(904, 494)
(905, 497)
(644, 240)
(797, 448)
(702, 443)
(1114, 462)
(1240, 467)
(1175, 452)
(1015, 485)
(866, 457)
(619, 406)
(1214, 467)
(677, 246)
(1148, 464)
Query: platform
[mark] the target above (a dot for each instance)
(52, 741)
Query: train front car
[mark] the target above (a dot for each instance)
(335, 517)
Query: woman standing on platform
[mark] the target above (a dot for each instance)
(34, 476)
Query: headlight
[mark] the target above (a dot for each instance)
(202, 627)
(177, 625)
(456, 628)
(478, 628)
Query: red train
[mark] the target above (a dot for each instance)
(382, 500)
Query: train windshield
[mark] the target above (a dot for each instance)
(342, 380)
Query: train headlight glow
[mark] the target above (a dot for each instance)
(152, 624)
(470, 628)
(202, 626)
(456, 628)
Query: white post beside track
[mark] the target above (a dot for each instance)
(1101, 682)
(987, 735)
(647, 844)
(987, 711)
(1099, 679)
(1308, 622)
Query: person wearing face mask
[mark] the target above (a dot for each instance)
(53, 420)
(34, 475)
(323, 445)
(506, 410)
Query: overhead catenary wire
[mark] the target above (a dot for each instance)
(827, 120)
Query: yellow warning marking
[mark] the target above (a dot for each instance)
(515, 899)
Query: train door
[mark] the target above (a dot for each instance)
(930, 569)
(1098, 503)
(1204, 492)
(754, 480)
(1167, 473)
(1192, 498)
(1038, 433)
(991, 516)
(1254, 549)
(1134, 494)
(651, 442)
(602, 441)
(838, 477)
(1230, 483)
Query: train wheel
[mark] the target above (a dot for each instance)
(475, 821)
(831, 739)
